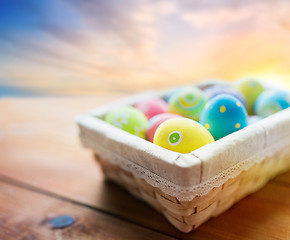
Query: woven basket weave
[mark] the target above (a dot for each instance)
(190, 188)
(188, 215)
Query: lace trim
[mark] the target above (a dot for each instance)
(188, 193)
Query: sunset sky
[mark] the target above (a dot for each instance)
(74, 47)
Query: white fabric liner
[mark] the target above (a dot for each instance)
(187, 193)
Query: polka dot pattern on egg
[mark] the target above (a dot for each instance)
(222, 109)
(223, 115)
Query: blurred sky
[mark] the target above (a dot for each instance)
(75, 47)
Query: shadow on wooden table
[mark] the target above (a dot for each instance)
(247, 219)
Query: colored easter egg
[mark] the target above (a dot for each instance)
(223, 115)
(129, 119)
(271, 101)
(189, 103)
(251, 89)
(182, 135)
(155, 121)
(216, 90)
(152, 107)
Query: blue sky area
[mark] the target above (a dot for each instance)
(75, 47)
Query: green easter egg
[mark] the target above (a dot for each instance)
(188, 102)
(251, 89)
(129, 119)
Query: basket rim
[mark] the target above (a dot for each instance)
(192, 168)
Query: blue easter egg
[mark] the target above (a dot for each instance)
(271, 101)
(216, 90)
(224, 114)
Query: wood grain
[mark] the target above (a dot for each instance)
(39, 147)
(28, 217)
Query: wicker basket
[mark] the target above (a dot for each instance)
(189, 188)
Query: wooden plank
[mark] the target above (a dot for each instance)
(39, 146)
(26, 215)
(262, 215)
(283, 179)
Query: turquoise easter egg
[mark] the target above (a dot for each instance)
(271, 101)
(189, 103)
(224, 114)
(129, 119)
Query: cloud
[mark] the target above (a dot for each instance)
(134, 44)
(95, 35)
(229, 15)
(213, 19)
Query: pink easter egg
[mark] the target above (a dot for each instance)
(155, 121)
(152, 107)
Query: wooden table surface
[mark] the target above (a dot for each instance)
(45, 173)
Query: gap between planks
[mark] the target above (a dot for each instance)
(14, 182)
(25, 214)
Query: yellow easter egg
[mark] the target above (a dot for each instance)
(251, 89)
(182, 135)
